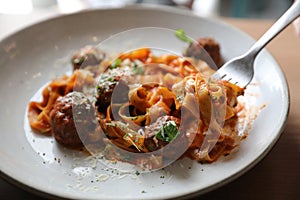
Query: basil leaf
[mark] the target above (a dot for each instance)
(168, 132)
(182, 36)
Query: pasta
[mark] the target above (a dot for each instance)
(143, 102)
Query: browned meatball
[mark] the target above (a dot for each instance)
(87, 56)
(210, 45)
(73, 106)
(105, 88)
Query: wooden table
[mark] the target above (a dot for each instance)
(277, 176)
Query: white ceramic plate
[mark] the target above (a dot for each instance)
(30, 58)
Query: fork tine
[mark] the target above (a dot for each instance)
(232, 79)
(236, 71)
(241, 68)
(222, 77)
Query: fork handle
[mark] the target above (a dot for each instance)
(288, 17)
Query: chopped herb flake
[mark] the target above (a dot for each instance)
(79, 60)
(203, 161)
(138, 69)
(116, 63)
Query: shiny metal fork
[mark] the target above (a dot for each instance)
(240, 70)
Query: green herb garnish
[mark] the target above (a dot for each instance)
(115, 64)
(79, 60)
(182, 36)
(99, 89)
(203, 162)
(138, 69)
(168, 132)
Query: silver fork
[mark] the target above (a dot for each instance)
(240, 70)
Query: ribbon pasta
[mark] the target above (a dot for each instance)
(154, 90)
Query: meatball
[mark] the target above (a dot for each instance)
(62, 119)
(87, 56)
(153, 142)
(105, 88)
(210, 45)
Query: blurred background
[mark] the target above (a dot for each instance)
(229, 8)
(17, 14)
